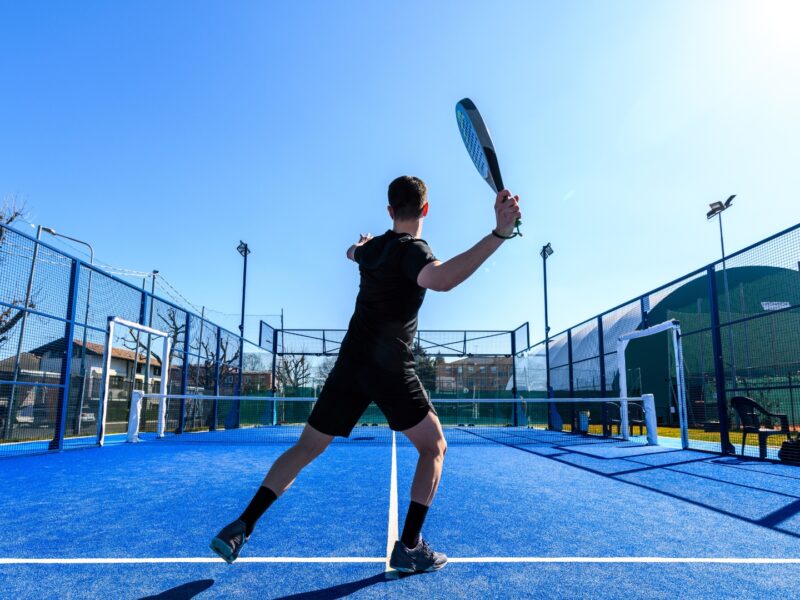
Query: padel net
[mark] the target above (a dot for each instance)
(555, 421)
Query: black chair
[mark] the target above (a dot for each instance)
(635, 418)
(750, 416)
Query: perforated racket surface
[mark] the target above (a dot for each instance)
(479, 145)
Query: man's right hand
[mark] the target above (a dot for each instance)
(506, 210)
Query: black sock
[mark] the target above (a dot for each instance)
(258, 506)
(413, 526)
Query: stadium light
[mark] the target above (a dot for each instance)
(718, 207)
(547, 251)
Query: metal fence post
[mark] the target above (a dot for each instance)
(185, 379)
(274, 375)
(644, 307)
(215, 403)
(515, 417)
(719, 367)
(57, 443)
(571, 368)
(238, 391)
(602, 348)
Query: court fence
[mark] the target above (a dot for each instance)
(740, 326)
(740, 320)
(54, 311)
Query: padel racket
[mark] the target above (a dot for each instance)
(479, 146)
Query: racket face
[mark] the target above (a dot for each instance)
(478, 143)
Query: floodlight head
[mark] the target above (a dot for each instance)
(547, 250)
(49, 230)
(716, 208)
(243, 249)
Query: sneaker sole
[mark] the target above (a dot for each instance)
(222, 550)
(430, 569)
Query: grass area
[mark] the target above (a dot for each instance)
(735, 437)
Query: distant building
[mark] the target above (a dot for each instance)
(472, 375)
(126, 365)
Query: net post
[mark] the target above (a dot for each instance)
(681, 384)
(623, 419)
(650, 419)
(622, 343)
(102, 408)
(137, 400)
(164, 387)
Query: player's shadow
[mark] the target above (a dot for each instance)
(337, 591)
(184, 591)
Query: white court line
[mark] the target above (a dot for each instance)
(202, 559)
(382, 559)
(392, 535)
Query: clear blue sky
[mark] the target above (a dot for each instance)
(165, 132)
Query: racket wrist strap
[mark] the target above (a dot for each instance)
(503, 237)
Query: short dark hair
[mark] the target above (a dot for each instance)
(407, 196)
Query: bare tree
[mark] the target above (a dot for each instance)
(325, 367)
(253, 362)
(293, 372)
(172, 325)
(11, 211)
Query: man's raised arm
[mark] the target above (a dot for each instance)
(444, 276)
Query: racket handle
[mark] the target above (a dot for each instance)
(517, 224)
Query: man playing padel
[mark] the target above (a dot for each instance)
(375, 364)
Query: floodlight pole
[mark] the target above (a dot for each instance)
(716, 210)
(244, 250)
(546, 251)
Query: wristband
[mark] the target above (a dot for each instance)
(502, 237)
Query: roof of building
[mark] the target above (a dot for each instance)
(92, 348)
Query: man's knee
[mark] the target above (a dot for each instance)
(311, 448)
(435, 449)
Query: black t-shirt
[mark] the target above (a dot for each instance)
(389, 298)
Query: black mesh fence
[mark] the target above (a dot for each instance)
(740, 337)
(449, 363)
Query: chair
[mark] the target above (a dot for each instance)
(750, 414)
(635, 418)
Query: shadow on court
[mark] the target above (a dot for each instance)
(184, 591)
(336, 591)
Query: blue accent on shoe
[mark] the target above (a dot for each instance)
(229, 542)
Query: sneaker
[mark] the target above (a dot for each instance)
(421, 559)
(230, 540)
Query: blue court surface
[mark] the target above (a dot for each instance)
(593, 520)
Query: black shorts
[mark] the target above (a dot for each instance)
(386, 378)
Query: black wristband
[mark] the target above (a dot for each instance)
(502, 237)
